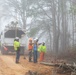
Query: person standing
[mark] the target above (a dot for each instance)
(30, 48)
(17, 49)
(42, 50)
(35, 47)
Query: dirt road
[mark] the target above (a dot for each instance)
(9, 67)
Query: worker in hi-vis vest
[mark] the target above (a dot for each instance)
(42, 50)
(17, 49)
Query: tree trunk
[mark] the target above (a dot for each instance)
(64, 25)
(54, 24)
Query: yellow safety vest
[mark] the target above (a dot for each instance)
(42, 48)
(16, 45)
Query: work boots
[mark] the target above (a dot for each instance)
(17, 61)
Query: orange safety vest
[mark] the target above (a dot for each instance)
(30, 47)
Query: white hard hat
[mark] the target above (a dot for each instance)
(17, 38)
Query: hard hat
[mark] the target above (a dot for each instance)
(37, 39)
(30, 39)
(17, 38)
(43, 42)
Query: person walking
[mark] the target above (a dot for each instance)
(17, 49)
(42, 50)
(30, 48)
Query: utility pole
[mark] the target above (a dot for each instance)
(16, 24)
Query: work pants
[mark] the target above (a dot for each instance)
(41, 56)
(35, 56)
(17, 55)
(30, 55)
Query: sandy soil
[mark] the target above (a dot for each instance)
(9, 67)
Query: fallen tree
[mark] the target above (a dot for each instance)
(62, 67)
